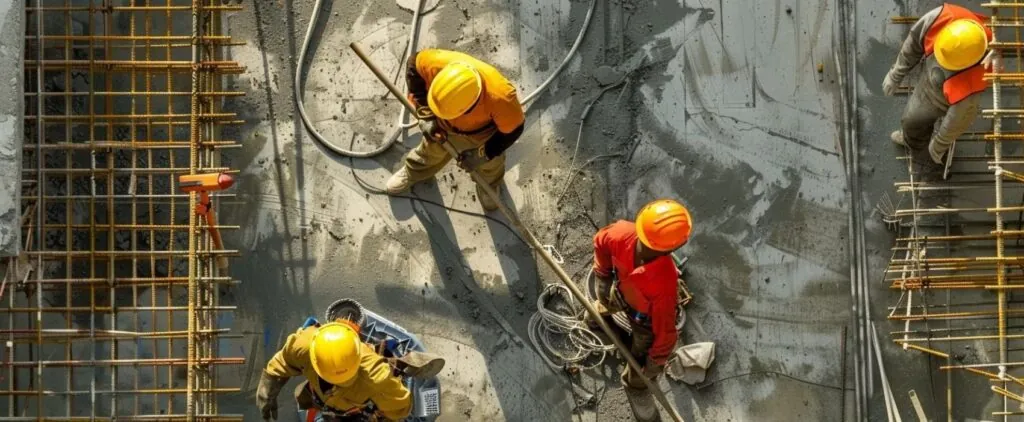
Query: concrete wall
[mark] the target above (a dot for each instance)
(12, 32)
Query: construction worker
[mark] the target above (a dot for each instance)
(951, 41)
(343, 375)
(635, 274)
(467, 103)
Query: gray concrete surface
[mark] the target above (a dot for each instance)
(729, 115)
(11, 111)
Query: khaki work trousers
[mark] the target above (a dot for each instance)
(424, 161)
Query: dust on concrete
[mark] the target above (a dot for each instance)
(11, 134)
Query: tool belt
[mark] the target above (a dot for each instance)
(331, 414)
(634, 315)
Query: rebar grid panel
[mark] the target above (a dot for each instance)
(115, 309)
(958, 260)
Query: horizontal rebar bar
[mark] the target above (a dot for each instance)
(138, 145)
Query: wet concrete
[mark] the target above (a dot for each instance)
(11, 134)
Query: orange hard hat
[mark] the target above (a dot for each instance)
(663, 225)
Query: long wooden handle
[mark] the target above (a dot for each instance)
(535, 244)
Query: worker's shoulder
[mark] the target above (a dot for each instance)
(373, 366)
(620, 228)
(298, 343)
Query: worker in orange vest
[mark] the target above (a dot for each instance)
(951, 42)
(636, 275)
(470, 105)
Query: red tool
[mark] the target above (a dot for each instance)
(204, 184)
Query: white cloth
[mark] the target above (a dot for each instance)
(690, 363)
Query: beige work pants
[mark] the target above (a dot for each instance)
(429, 157)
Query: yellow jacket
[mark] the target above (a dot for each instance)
(374, 381)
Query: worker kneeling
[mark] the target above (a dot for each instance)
(467, 103)
(635, 274)
(346, 380)
(951, 42)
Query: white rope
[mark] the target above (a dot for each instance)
(579, 344)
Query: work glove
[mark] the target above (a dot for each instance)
(889, 84)
(652, 370)
(429, 127)
(604, 290)
(470, 159)
(266, 395)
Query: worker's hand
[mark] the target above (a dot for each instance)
(604, 290)
(890, 84)
(266, 395)
(431, 130)
(652, 370)
(470, 159)
(990, 63)
(267, 406)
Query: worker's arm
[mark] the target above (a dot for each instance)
(288, 361)
(602, 253)
(393, 400)
(415, 82)
(663, 324)
(508, 116)
(913, 46)
(285, 364)
(958, 119)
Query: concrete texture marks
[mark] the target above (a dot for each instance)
(11, 111)
(719, 104)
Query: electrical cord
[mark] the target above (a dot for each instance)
(710, 383)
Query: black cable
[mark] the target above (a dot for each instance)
(708, 384)
(378, 191)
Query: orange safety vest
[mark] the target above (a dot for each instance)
(968, 81)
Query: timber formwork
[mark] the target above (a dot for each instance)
(958, 259)
(114, 310)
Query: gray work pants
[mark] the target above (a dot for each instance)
(919, 121)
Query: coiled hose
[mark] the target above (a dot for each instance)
(577, 344)
(300, 69)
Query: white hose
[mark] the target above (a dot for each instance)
(390, 140)
(582, 343)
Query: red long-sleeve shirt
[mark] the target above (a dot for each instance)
(651, 289)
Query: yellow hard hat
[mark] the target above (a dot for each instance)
(960, 44)
(454, 90)
(336, 352)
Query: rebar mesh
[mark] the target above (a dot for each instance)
(958, 260)
(115, 308)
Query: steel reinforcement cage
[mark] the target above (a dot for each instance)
(958, 259)
(114, 309)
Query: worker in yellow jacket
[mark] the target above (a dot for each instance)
(343, 374)
(470, 105)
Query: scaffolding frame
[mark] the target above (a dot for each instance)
(974, 260)
(114, 308)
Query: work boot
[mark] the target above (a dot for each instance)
(641, 402)
(486, 201)
(897, 138)
(421, 365)
(399, 182)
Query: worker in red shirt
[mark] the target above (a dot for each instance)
(635, 274)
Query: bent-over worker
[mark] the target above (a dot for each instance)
(635, 274)
(343, 375)
(468, 103)
(951, 42)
